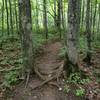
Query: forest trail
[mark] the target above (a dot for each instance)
(50, 60)
(47, 62)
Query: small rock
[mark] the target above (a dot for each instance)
(60, 89)
(35, 97)
(49, 75)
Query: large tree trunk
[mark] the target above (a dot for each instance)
(26, 35)
(73, 29)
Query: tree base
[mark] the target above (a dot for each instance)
(87, 60)
(69, 67)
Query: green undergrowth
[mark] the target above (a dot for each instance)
(76, 80)
(77, 85)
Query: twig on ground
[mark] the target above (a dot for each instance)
(10, 69)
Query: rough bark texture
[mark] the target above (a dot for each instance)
(26, 35)
(73, 29)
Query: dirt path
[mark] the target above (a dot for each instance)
(46, 64)
(49, 61)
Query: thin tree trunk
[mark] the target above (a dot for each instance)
(59, 17)
(62, 13)
(45, 18)
(11, 21)
(37, 16)
(88, 34)
(55, 14)
(99, 18)
(94, 18)
(82, 16)
(7, 14)
(2, 17)
(16, 18)
(91, 17)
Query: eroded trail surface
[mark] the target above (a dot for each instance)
(46, 63)
(49, 61)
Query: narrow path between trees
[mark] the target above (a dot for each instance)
(47, 64)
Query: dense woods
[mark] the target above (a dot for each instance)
(55, 41)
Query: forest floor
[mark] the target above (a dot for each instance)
(47, 64)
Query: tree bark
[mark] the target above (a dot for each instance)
(11, 20)
(2, 17)
(94, 17)
(88, 34)
(16, 16)
(71, 65)
(45, 18)
(26, 35)
(55, 14)
(37, 16)
(98, 19)
(7, 14)
(59, 17)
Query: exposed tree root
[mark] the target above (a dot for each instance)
(59, 71)
(27, 79)
(44, 82)
(38, 73)
(42, 73)
(48, 73)
(54, 84)
(10, 69)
